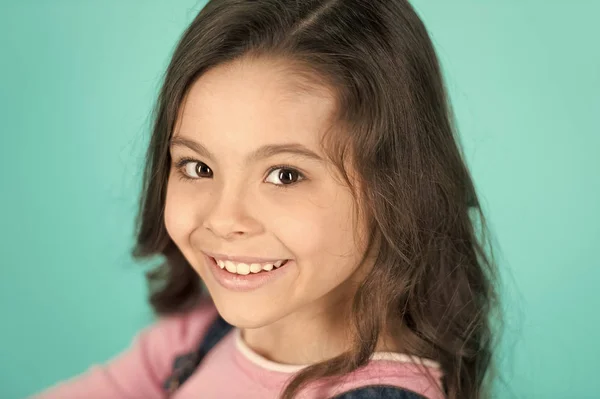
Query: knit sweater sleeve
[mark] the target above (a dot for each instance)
(140, 370)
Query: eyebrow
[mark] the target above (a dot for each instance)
(263, 152)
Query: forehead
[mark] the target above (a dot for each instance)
(246, 104)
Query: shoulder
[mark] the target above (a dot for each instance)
(140, 370)
(379, 392)
(178, 333)
(389, 377)
(154, 349)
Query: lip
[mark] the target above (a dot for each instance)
(244, 283)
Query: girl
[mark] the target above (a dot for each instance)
(303, 166)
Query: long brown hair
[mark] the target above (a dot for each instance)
(432, 274)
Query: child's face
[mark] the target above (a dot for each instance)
(240, 208)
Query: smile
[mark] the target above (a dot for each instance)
(239, 276)
(247, 268)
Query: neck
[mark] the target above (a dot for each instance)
(304, 337)
(308, 336)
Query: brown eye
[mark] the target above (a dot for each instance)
(285, 176)
(196, 170)
(202, 168)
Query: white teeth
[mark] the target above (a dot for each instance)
(243, 269)
(230, 266)
(255, 267)
(268, 267)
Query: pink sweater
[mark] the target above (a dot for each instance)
(230, 370)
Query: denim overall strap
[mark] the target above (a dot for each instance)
(379, 392)
(185, 365)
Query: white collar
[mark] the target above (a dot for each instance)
(292, 368)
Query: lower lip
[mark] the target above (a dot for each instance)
(248, 282)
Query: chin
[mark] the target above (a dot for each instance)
(247, 315)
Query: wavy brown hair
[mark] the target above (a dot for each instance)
(432, 283)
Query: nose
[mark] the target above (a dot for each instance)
(226, 217)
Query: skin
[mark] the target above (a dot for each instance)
(237, 208)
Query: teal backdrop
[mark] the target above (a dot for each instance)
(77, 82)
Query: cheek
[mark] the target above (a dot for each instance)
(179, 214)
(320, 234)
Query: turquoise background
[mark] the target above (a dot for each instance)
(78, 79)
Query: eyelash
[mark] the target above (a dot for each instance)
(183, 176)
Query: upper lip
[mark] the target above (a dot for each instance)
(242, 259)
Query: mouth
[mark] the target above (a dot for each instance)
(240, 277)
(245, 269)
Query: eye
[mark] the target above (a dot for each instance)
(192, 170)
(285, 174)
